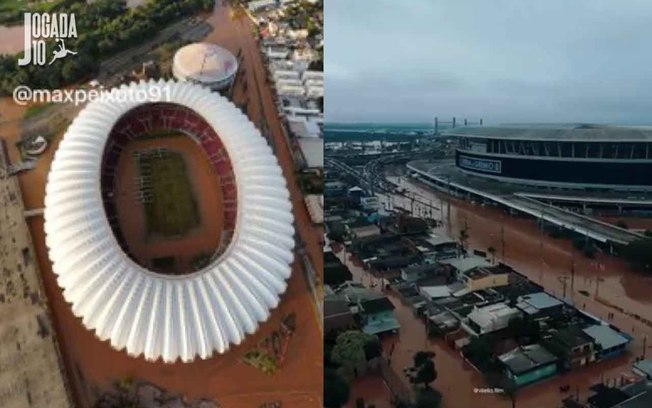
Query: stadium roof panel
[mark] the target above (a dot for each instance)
(587, 133)
(165, 316)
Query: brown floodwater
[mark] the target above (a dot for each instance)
(544, 260)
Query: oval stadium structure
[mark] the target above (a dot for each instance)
(579, 156)
(143, 311)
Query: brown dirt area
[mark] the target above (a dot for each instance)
(204, 239)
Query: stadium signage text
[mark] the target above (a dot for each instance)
(40, 27)
(485, 165)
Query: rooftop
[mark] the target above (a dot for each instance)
(605, 336)
(485, 316)
(379, 304)
(574, 132)
(481, 272)
(572, 336)
(535, 302)
(526, 358)
(466, 264)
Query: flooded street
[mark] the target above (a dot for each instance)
(544, 260)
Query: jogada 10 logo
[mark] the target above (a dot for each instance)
(41, 27)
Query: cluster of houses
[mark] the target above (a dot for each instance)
(467, 299)
(291, 41)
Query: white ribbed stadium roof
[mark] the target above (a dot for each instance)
(144, 312)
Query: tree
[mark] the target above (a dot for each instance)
(428, 398)
(423, 371)
(421, 357)
(349, 350)
(373, 348)
(492, 252)
(426, 374)
(639, 252)
(336, 390)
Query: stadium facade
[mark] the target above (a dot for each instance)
(161, 316)
(574, 157)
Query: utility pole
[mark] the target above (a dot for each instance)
(572, 277)
(502, 239)
(644, 345)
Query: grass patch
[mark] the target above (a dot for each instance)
(11, 11)
(35, 110)
(170, 206)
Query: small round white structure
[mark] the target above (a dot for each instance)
(205, 64)
(168, 316)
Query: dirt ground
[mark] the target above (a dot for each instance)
(203, 239)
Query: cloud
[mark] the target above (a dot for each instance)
(507, 61)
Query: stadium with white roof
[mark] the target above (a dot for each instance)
(146, 312)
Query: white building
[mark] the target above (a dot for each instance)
(291, 90)
(283, 74)
(149, 313)
(277, 52)
(490, 318)
(314, 91)
(285, 82)
(312, 75)
(256, 5)
(205, 64)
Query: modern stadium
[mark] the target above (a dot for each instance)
(150, 306)
(563, 174)
(575, 157)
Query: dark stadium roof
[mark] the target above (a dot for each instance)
(576, 132)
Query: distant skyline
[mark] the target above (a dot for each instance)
(556, 61)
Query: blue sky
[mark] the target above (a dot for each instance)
(504, 61)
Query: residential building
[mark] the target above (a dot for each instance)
(370, 203)
(572, 346)
(485, 277)
(363, 231)
(377, 316)
(539, 305)
(487, 319)
(335, 272)
(415, 273)
(528, 364)
(337, 315)
(462, 265)
(609, 341)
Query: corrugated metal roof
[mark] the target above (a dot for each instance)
(605, 336)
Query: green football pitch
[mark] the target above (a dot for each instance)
(170, 206)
